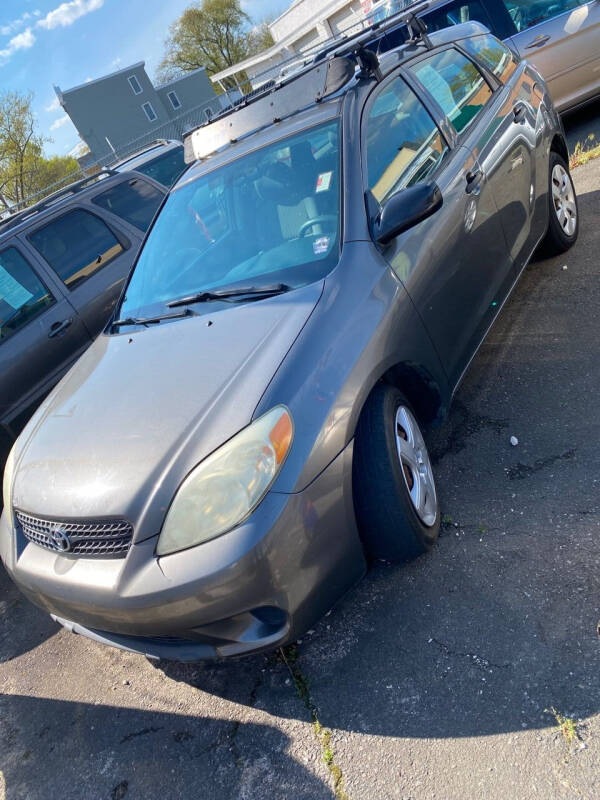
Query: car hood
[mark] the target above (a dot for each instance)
(139, 410)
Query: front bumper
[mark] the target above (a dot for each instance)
(255, 588)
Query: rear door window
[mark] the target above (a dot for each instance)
(23, 296)
(527, 13)
(76, 245)
(403, 143)
(455, 14)
(456, 84)
(136, 201)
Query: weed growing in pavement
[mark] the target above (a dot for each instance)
(584, 152)
(566, 725)
(289, 656)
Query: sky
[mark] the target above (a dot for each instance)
(46, 43)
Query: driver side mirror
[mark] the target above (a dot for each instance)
(405, 209)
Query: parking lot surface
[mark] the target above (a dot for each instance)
(444, 679)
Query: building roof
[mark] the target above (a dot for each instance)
(60, 93)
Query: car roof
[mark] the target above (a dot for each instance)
(312, 95)
(148, 153)
(79, 190)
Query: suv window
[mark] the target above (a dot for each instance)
(403, 143)
(527, 13)
(496, 56)
(166, 168)
(22, 294)
(455, 14)
(76, 245)
(135, 201)
(456, 84)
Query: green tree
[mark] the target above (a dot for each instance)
(20, 145)
(215, 34)
(24, 171)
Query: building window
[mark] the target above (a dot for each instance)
(174, 100)
(135, 84)
(149, 111)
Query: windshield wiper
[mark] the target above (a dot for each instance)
(151, 320)
(234, 291)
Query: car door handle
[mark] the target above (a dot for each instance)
(59, 327)
(538, 41)
(474, 179)
(519, 111)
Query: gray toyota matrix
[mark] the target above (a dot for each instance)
(220, 465)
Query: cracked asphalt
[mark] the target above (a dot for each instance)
(436, 680)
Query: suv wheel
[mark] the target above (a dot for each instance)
(394, 490)
(563, 221)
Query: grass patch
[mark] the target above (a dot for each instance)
(585, 152)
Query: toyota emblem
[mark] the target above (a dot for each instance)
(60, 541)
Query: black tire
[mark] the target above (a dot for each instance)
(557, 240)
(388, 522)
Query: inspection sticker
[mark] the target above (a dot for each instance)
(324, 181)
(321, 245)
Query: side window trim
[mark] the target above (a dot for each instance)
(493, 83)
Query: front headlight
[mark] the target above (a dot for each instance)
(228, 485)
(7, 482)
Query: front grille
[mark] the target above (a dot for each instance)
(93, 539)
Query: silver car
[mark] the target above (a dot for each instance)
(561, 38)
(219, 467)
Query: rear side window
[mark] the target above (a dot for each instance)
(76, 245)
(166, 168)
(403, 143)
(135, 201)
(456, 84)
(496, 56)
(22, 294)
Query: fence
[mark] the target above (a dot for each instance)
(174, 129)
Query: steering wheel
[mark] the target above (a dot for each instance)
(315, 221)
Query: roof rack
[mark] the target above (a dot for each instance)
(20, 216)
(328, 70)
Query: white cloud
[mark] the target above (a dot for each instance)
(15, 24)
(22, 41)
(67, 13)
(58, 123)
(54, 106)
(115, 63)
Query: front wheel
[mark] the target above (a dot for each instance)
(563, 221)
(394, 490)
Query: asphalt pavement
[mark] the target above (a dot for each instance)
(444, 679)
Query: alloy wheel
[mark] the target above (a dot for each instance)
(416, 466)
(563, 199)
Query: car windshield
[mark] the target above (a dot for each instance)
(270, 216)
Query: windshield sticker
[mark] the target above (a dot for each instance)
(11, 290)
(324, 182)
(321, 245)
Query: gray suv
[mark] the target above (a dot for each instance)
(219, 467)
(62, 267)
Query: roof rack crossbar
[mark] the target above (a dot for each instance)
(20, 216)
